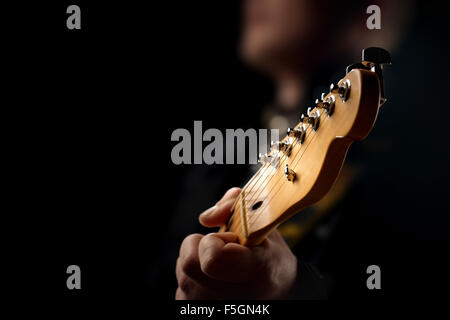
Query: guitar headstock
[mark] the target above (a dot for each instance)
(301, 168)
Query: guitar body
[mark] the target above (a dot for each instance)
(313, 163)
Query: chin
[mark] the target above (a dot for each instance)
(261, 56)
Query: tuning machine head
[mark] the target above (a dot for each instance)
(327, 104)
(375, 55)
(312, 119)
(343, 89)
(272, 159)
(285, 146)
(297, 133)
(264, 158)
(374, 59)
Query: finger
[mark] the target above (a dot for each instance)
(189, 264)
(190, 276)
(218, 215)
(219, 260)
(227, 237)
(185, 284)
(192, 289)
(189, 288)
(230, 194)
(188, 261)
(180, 295)
(208, 218)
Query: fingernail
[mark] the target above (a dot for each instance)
(208, 212)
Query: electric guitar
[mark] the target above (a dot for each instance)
(301, 168)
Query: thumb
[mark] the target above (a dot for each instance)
(218, 215)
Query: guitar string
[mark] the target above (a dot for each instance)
(259, 174)
(285, 157)
(256, 216)
(247, 185)
(294, 159)
(269, 176)
(295, 166)
(281, 159)
(230, 220)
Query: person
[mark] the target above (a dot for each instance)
(289, 40)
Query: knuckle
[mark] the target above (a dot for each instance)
(185, 283)
(210, 261)
(193, 236)
(180, 295)
(189, 264)
(190, 238)
(188, 242)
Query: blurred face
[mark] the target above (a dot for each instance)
(274, 31)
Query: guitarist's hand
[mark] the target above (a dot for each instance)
(215, 266)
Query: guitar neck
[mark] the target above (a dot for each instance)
(301, 168)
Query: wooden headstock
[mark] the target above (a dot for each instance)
(302, 167)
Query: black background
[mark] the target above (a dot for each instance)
(92, 113)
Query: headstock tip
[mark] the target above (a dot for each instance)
(374, 58)
(375, 55)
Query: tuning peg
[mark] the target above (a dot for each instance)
(273, 160)
(283, 146)
(375, 58)
(297, 133)
(371, 57)
(264, 158)
(327, 105)
(313, 118)
(375, 55)
(289, 173)
(292, 132)
(342, 89)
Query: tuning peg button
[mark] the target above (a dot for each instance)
(375, 55)
(374, 59)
